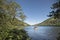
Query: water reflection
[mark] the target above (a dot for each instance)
(35, 28)
(43, 33)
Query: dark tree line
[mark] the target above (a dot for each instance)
(55, 10)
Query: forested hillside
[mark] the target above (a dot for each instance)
(50, 22)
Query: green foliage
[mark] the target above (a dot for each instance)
(8, 12)
(17, 35)
(22, 16)
(56, 10)
(14, 34)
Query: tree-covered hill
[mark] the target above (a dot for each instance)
(50, 22)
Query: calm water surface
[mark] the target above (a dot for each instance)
(43, 32)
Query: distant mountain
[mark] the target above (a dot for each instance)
(50, 21)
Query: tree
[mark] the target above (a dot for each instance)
(56, 10)
(22, 16)
(8, 11)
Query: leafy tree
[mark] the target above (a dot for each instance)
(8, 12)
(17, 35)
(22, 16)
(56, 10)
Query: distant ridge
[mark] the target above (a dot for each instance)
(50, 22)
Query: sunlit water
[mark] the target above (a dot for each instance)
(43, 32)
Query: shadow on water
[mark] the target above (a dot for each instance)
(58, 38)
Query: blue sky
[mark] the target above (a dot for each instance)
(35, 10)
